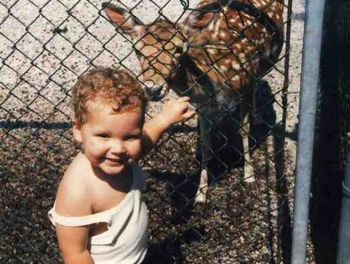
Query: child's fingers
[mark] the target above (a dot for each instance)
(184, 99)
(191, 107)
(189, 111)
(189, 114)
(186, 106)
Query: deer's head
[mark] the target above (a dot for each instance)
(229, 44)
(158, 46)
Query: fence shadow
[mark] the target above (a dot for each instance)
(283, 210)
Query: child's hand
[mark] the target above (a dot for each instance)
(175, 111)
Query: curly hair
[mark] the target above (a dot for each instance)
(114, 87)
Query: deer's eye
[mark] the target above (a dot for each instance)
(179, 50)
(138, 53)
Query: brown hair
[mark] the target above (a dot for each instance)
(114, 87)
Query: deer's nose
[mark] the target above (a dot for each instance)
(156, 92)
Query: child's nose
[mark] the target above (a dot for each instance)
(117, 146)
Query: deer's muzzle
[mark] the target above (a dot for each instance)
(156, 92)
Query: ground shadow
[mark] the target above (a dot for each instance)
(164, 252)
(331, 126)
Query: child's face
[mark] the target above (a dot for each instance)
(110, 141)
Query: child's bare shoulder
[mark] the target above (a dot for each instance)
(72, 198)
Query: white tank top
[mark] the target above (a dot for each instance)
(125, 241)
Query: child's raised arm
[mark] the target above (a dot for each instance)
(173, 112)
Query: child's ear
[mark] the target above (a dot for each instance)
(76, 131)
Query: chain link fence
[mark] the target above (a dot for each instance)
(44, 47)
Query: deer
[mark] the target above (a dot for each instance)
(215, 56)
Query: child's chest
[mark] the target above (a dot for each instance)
(105, 201)
(107, 196)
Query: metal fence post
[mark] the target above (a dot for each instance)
(343, 254)
(308, 100)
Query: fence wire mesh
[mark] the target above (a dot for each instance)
(45, 45)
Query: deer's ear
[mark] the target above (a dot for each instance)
(199, 19)
(122, 18)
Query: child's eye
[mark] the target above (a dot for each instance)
(103, 135)
(132, 137)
